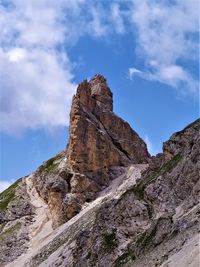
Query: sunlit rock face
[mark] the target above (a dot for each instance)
(98, 138)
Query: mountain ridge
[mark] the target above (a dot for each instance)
(104, 201)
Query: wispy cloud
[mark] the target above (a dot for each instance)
(150, 146)
(132, 72)
(165, 37)
(117, 18)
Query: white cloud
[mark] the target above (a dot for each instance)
(150, 146)
(117, 18)
(38, 94)
(132, 72)
(98, 26)
(166, 37)
(35, 77)
(4, 185)
(16, 54)
(103, 21)
(177, 77)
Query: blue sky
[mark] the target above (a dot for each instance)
(147, 50)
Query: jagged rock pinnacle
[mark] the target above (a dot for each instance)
(95, 95)
(98, 138)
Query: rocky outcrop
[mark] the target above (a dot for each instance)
(98, 138)
(98, 141)
(178, 168)
(16, 215)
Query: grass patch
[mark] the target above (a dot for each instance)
(8, 195)
(141, 242)
(139, 188)
(10, 232)
(49, 165)
(145, 239)
(4, 203)
(168, 166)
(196, 122)
(10, 188)
(123, 259)
(110, 241)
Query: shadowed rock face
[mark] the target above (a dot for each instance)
(98, 138)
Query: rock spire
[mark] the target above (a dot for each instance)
(98, 138)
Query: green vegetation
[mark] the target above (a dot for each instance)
(139, 188)
(145, 238)
(4, 203)
(196, 122)
(49, 165)
(168, 166)
(141, 242)
(89, 255)
(123, 259)
(110, 241)
(10, 232)
(10, 188)
(8, 195)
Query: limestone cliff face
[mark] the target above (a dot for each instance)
(98, 138)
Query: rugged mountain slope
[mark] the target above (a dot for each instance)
(104, 201)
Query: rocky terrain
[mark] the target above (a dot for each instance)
(104, 201)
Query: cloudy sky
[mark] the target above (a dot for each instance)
(147, 50)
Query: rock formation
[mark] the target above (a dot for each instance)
(98, 138)
(98, 142)
(111, 203)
